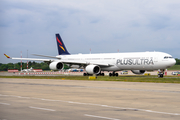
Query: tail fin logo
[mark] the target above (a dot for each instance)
(61, 47)
(60, 44)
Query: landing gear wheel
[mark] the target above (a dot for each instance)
(160, 75)
(110, 74)
(116, 74)
(113, 74)
(100, 74)
(84, 74)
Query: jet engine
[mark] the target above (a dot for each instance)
(93, 69)
(138, 71)
(56, 66)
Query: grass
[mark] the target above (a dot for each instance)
(129, 78)
(124, 78)
(175, 67)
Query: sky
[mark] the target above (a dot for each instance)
(104, 26)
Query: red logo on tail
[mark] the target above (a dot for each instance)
(60, 43)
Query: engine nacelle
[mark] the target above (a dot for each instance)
(138, 71)
(93, 69)
(56, 66)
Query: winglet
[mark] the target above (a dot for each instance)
(7, 56)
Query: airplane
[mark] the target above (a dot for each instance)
(28, 70)
(137, 62)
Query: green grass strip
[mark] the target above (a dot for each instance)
(133, 78)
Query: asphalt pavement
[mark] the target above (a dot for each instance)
(43, 99)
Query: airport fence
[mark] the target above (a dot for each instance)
(48, 73)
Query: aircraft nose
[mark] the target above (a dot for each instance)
(170, 63)
(173, 62)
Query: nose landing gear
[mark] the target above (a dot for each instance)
(160, 73)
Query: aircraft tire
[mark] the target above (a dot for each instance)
(110, 74)
(160, 75)
(116, 74)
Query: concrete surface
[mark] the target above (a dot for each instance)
(43, 99)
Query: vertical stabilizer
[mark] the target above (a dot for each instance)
(61, 47)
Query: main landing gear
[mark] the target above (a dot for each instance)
(113, 74)
(100, 74)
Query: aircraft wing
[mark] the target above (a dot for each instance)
(30, 59)
(63, 61)
(45, 56)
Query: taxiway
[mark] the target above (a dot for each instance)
(28, 99)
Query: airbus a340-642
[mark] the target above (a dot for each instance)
(137, 62)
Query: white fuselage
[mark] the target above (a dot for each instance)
(125, 61)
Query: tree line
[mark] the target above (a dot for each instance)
(177, 61)
(35, 65)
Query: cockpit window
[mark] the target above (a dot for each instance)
(166, 57)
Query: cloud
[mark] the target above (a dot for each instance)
(102, 25)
